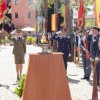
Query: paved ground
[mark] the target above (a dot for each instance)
(78, 88)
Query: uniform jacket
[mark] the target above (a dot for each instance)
(88, 40)
(19, 45)
(98, 48)
(94, 47)
(64, 43)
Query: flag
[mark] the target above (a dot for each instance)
(38, 26)
(97, 11)
(35, 28)
(3, 10)
(65, 15)
(54, 22)
(81, 12)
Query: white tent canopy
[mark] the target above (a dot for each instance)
(28, 29)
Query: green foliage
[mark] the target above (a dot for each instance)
(90, 23)
(19, 89)
(41, 5)
(30, 40)
(4, 40)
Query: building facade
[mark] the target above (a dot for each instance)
(22, 15)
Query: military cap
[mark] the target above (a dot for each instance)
(95, 27)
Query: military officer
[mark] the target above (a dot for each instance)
(93, 45)
(85, 48)
(19, 50)
(95, 52)
(64, 44)
(97, 59)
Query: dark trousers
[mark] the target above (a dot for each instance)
(98, 72)
(86, 66)
(65, 58)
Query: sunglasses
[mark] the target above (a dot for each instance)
(63, 29)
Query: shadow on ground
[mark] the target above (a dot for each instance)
(73, 81)
(6, 87)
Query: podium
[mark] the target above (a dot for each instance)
(46, 78)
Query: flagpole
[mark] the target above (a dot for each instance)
(95, 89)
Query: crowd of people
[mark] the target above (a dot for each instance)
(86, 42)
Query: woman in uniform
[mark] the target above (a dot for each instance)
(19, 50)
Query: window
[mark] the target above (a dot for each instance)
(29, 2)
(16, 2)
(16, 14)
(29, 15)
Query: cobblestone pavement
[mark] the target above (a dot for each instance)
(78, 88)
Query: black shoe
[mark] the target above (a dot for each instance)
(83, 78)
(87, 78)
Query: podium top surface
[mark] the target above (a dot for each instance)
(54, 53)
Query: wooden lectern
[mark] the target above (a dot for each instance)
(95, 89)
(46, 78)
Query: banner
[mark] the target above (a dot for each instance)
(3, 10)
(65, 15)
(97, 11)
(54, 22)
(81, 13)
(35, 30)
(38, 26)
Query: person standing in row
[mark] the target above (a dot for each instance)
(95, 51)
(19, 50)
(85, 47)
(64, 44)
(97, 59)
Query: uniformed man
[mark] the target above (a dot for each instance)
(64, 44)
(85, 48)
(97, 59)
(95, 51)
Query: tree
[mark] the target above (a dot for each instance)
(41, 8)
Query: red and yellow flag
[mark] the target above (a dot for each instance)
(3, 10)
(81, 12)
(54, 22)
(38, 26)
(97, 11)
(35, 28)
